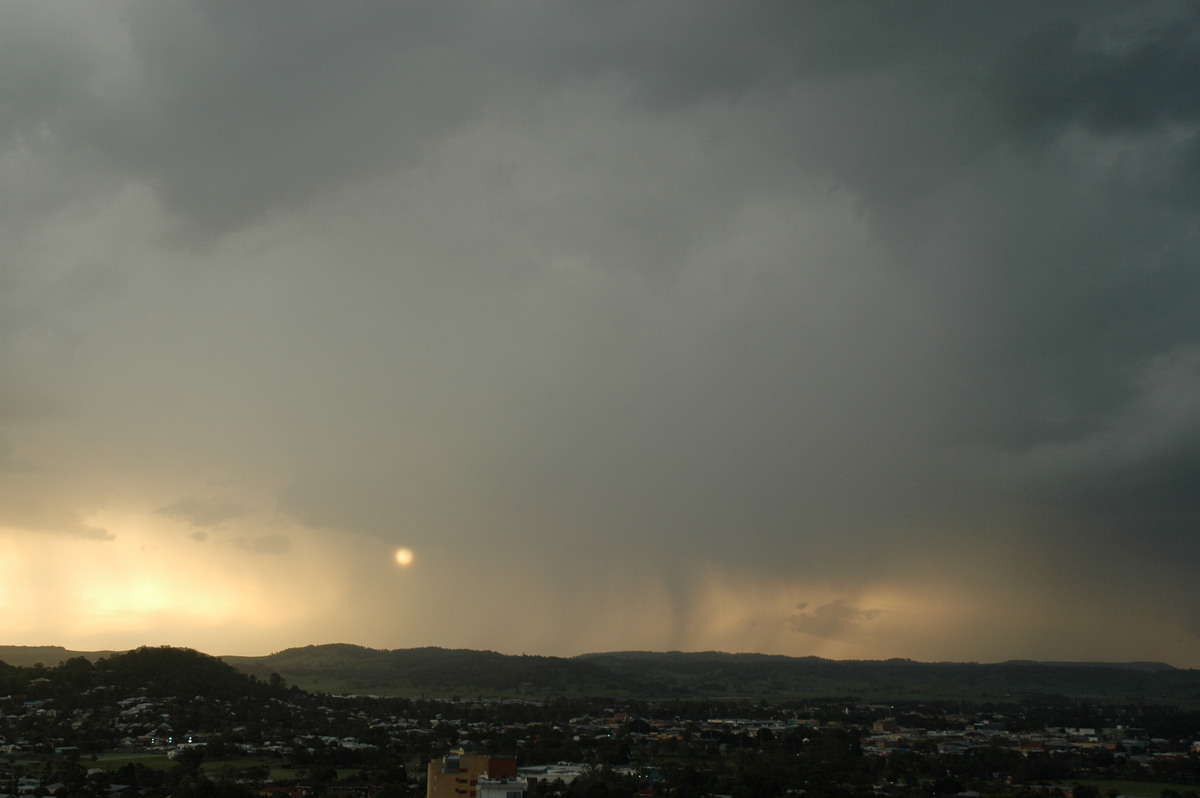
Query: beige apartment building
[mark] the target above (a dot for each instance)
(458, 775)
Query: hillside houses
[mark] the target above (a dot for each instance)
(273, 741)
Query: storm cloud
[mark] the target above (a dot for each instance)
(690, 312)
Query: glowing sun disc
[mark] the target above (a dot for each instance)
(404, 557)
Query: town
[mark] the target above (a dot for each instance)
(171, 722)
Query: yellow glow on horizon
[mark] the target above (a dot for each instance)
(156, 584)
(153, 584)
(15, 584)
(136, 583)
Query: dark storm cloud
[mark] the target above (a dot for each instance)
(45, 70)
(1099, 280)
(233, 111)
(1095, 288)
(809, 289)
(1067, 74)
(1060, 271)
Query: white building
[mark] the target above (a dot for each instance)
(501, 788)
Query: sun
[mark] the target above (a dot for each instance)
(404, 557)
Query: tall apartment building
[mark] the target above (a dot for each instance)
(458, 775)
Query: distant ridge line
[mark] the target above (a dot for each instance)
(17, 655)
(344, 668)
(1150, 667)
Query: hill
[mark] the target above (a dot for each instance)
(153, 672)
(28, 656)
(163, 671)
(760, 674)
(343, 668)
(437, 671)
(346, 668)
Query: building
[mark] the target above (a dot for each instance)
(458, 775)
(503, 788)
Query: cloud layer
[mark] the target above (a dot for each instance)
(838, 329)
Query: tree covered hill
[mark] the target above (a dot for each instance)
(437, 671)
(761, 674)
(440, 671)
(153, 672)
(28, 656)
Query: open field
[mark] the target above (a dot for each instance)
(159, 761)
(113, 760)
(1135, 789)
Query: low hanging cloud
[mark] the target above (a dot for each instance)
(829, 620)
(92, 533)
(269, 544)
(22, 507)
(204, 512)
(13, 464)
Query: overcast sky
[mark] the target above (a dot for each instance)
(854, 329)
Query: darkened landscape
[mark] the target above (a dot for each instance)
(343, 668)
(176, 722)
